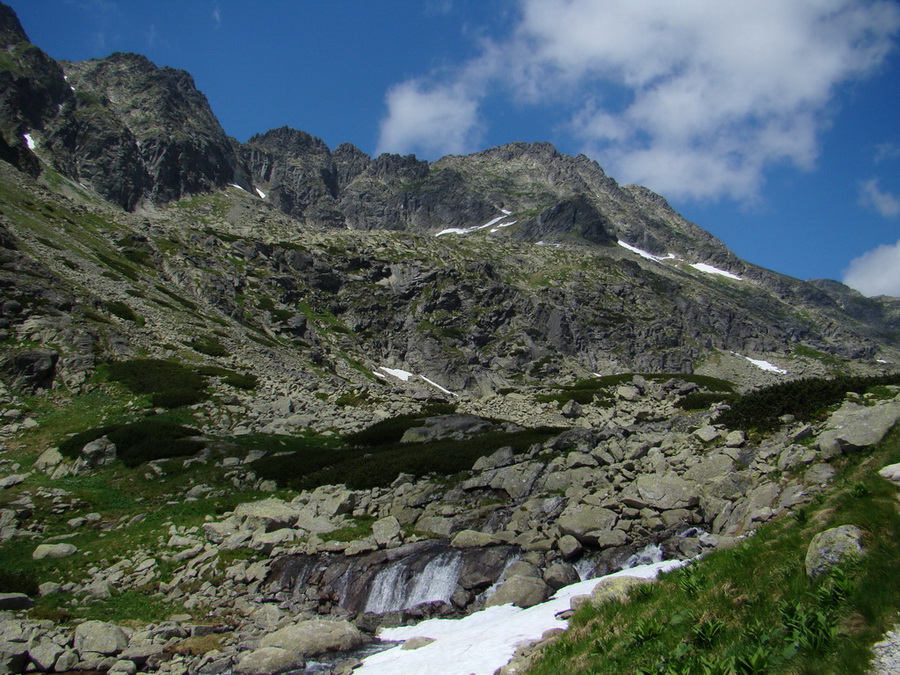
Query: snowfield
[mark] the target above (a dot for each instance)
(405, 375)
(484, 641)
(494, 224)
(763, 365)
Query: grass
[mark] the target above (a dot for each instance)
(752, 609)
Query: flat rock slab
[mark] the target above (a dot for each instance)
(854, 426)
(315, 636)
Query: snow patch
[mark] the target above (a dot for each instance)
(262, 195)
(501, 226)
(505, 212)
(763, 365)
(403, 375)
(468, 230)
(646, 254)
(235, 185)
(709, 269)
(484, 641)
(29, 141)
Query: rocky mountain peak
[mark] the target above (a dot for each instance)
(11, 31)
(290, 142)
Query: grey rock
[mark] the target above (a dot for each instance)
(584, 522)
(664, 491)
(99, 637)
(313, 637)
(569, 547)
(387, 532)
(707, 434)
(473, 539)
(616, 589)
(45, 654)
(44, 551)
(833, 547)
(854, 426)
(520, 591)
(559, 575)
(891, 473)
(269, 661)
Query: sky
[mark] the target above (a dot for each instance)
(773, 125)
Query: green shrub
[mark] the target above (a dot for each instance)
(208, 345)
(170, 384)
(803, 399)
(122, 310)
(71, 447)
(152, 439)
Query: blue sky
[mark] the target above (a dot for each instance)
(774, 125)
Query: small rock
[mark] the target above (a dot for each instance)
(417, 643)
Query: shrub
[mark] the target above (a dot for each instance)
(122, 310)
(208, 345)
(152, 439)
(170, 384)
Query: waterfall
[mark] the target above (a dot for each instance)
(399, 586)
(651, 553)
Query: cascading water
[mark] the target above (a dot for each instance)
(650, 554)
(397, 587)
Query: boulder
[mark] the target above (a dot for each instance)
(269, 661)
(271, 514)
(616, 588)
(99, 637)
(44, 551)
(663, 491)
(559, 575)
(707, 434)
(585, 521)
(832, 547)
(315, 636)
(15, 601)
(569, 547)
(854, 426)
(44, 655)
(891, 473)
(473, 539)
(387, 532)
(520, 591)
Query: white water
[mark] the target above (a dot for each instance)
(436, 582)
(650, 554)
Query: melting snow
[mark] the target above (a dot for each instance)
(262, 195)
(29, 141)
(404, 375)
(235, 185)
(645, 254)
(467, 230)
(709, 269)
(763, 365)
(701, 267)
(501, 226)
(484, 641)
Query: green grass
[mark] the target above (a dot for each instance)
(752, 609)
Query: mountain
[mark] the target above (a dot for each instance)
(273, 388)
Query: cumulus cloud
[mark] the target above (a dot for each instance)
(694, 98)
(431, 121)
(871, 196)
(876, 272)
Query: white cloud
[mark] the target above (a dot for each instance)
(695, 98)
(217, 16)
(871, 196)
(431, 121)
(885, 152)
(876, 272)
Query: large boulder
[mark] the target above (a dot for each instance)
(99, 637)
(269, 661)
(662, 492)
(53, 551)
(315, 636)
(15, 601)
(832, 547)
(586, 522)
(270, 514)
(854, 426)
(616, 588)
(521, 591)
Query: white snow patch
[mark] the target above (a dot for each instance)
(709, 269)
(29, 141)
(437, 386)
(262, 195)
(505, 212)
(882, 361)
(474, 228)
(763, 365)
(484, 641)
(235, 185)
(646, 254)
(403, 375)
(501, 226)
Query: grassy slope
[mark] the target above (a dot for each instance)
(751, 609)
